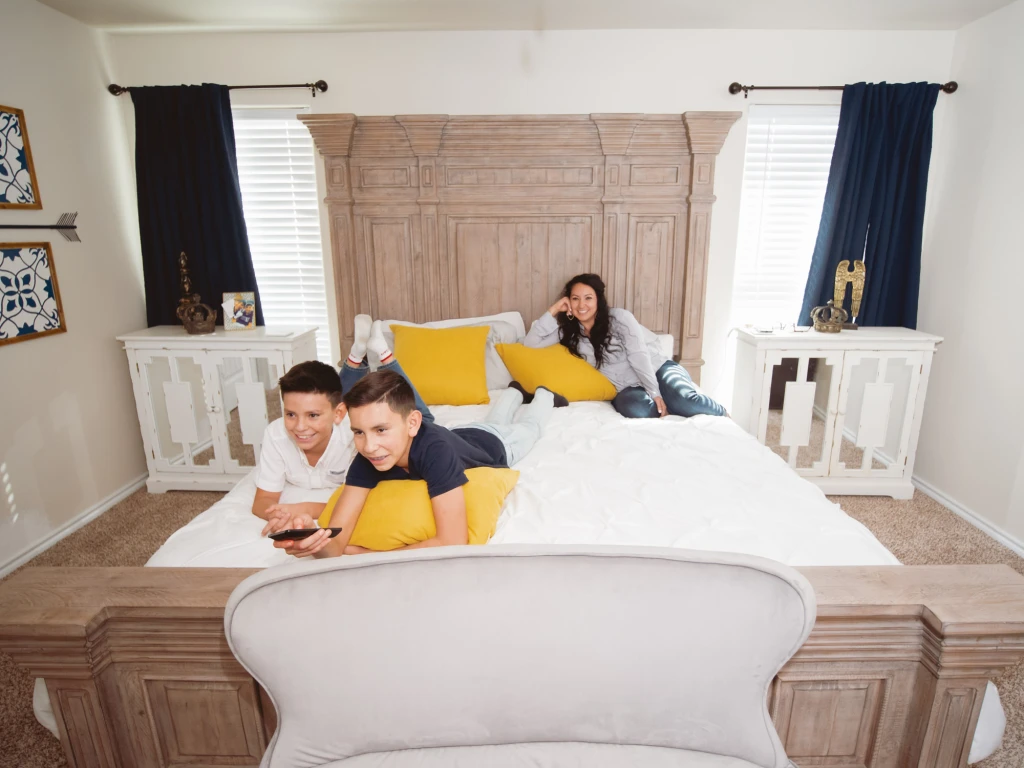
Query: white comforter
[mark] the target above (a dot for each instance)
(594, 477)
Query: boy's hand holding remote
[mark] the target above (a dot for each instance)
(301, 547)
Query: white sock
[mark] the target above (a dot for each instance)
(362, 334)
(377, 343)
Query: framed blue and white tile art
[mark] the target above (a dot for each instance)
(18, 188)
(29, 297)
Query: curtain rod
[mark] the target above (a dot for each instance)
(319, 85)
(735, 88)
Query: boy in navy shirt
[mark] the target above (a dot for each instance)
(395, 443)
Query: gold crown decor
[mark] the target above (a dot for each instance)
(830, 318)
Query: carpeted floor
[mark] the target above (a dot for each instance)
(918, 532)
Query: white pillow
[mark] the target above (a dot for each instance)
(512, 318)
(506, 328)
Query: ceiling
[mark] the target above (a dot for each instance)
(334, 15)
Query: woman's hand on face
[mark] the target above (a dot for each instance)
(562, 305)
(662, 408)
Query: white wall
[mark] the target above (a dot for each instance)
(972, 438)
(667, 71)
(69, 436)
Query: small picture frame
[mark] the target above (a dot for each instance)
(29, 297)
(239, 311)
(18, 187)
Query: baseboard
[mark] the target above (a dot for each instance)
(1008, 540)
(72, 525)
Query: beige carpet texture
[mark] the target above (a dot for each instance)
(919, 532)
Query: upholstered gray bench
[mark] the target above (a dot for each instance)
(522, 656)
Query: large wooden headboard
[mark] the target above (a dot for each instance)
(435, 217)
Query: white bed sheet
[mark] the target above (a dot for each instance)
(594, 477)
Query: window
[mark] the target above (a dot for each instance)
(789, 150)
(278, 180)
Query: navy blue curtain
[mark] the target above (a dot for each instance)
(874, 202)
(189, 198)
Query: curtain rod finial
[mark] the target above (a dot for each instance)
(116, 89)
(950, 87)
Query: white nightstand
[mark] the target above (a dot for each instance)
(205, 400)
(851, 404)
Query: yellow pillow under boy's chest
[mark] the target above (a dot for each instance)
(398, 512)
(556, 368)
(445, 364)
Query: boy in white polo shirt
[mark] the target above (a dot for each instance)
(307, 447)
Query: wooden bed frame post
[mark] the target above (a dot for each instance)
(85, 732)
(333, 137)
(706, 132)
(424, 134)
(948, 721)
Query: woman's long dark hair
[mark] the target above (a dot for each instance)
(600, 334)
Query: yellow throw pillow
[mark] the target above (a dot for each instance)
(556, 368)
(445, 364)
(398, 512)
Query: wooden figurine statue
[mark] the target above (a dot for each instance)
(845, 275)
(194, 315)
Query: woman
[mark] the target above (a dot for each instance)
(649, 385)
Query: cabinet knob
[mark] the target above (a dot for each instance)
(214, 409)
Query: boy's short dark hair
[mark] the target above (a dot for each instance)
(314, 377)
(382, 387)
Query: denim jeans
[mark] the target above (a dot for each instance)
(351, 375)
(518, 437)
(678, 392)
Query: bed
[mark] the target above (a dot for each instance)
(435, 217)
(586, 482)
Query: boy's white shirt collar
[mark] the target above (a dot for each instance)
(338, 435)
(282, 462)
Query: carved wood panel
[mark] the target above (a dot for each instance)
(387, 242)
(206, 722)
(830, 723)
(653, 269)
(834, 714)
(515, 262)
(435, 217)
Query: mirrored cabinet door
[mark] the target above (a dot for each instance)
(877, 402)
(247, 399)
(178, 405)
(801, 391)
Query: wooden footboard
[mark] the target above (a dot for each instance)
(139, 672)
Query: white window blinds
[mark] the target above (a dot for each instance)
(278, 181)
(789, 150)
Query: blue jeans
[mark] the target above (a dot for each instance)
(350, 375)
(678, 392)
